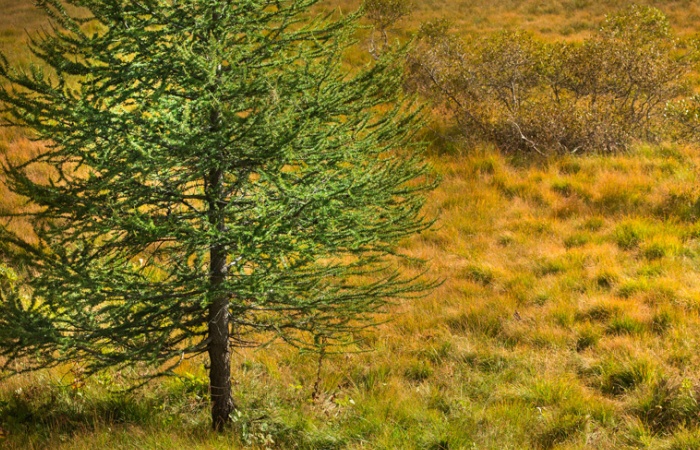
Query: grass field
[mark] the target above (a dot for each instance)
(569, 315)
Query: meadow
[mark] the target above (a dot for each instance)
(568, 315)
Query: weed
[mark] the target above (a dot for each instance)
(549, 392)
(569, 166)
(651, 270)
(489, 165)
(594, 223)
(438, 354)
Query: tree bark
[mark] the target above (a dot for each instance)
(219, 328)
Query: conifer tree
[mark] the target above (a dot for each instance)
(215, 177)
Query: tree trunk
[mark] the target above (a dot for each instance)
(219, 351)
(219, 328)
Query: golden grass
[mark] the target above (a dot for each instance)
(18, 19)
(568, 316)
(534, 340)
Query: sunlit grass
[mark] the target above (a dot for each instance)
(534, 340)
(567, 317)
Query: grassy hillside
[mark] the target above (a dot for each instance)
(569, 315)
(568, 18)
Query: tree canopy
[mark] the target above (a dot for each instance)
(214, 176)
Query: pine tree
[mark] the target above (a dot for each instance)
(215, 177)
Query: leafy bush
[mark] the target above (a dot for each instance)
(525, 94)
(684, 114)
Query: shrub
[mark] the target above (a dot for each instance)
(685, 115)
(383, 15)
(525, 94)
